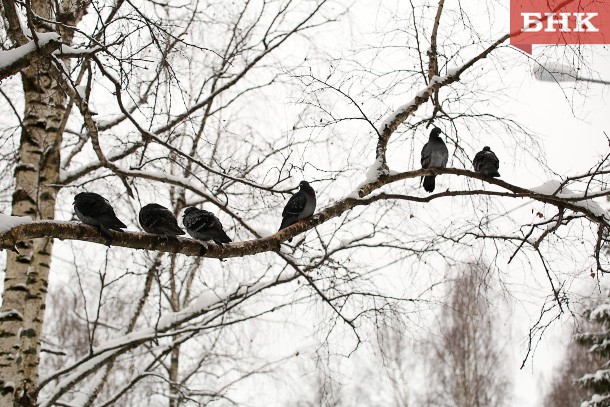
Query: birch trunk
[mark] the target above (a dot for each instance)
(174, 393)
(27, 273)
(36, 176)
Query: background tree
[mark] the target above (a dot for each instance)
(467, 365)
(565, 389)
(595, 339)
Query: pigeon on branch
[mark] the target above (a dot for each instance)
(433, 155)
(300, 206)
(486, 163)
(159, 220)
(93, 209)
(203, 225)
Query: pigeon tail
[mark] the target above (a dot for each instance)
(221, 238)
(429, 183)
(489, 170)
(117, 225)
(287, 221)
(165, 228)
(159, 220)
(106, 231)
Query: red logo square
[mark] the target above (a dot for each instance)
(559, 22)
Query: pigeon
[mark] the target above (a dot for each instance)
(95, 210)
(486, 163)
(159, 220)
(300, 206)
(433, 155)
(203, 225)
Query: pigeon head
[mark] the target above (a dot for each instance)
(435, 132)
(486, 148)
(190, 210)
(88, 198)
(78, 197)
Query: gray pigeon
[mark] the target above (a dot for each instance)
(93, 209)
(300, 206)
(486, 163)
(203, 225)
(159, 220)
(433, 155)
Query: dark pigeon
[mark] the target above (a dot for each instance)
(159, 220)
(486, 163)
(93, 209)
(433, 155)
(300, 206)
(203, 225)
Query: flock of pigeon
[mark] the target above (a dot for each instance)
(93, 209)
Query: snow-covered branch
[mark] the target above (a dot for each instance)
(14, 60)
(135, 240)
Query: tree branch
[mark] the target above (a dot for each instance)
(190, 247)
(17, 59)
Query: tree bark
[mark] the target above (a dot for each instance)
(36, 180)
(27, 273)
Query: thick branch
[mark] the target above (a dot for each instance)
(190, 247)
(14, 29)
(433, 64)
(17, 59)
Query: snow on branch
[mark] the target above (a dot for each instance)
(391, 123)
(602, 375)
(137, 240)
(596, 400)
(372, 175)
(557, 189)
(392, 120)
(9, 222)
(14, 60)
(601, 312)
(68, 51)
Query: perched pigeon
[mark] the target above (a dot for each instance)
(433, 155)
(486, 163)
(159, 220)
(94, 210)
(300, 206)
(203, 225)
